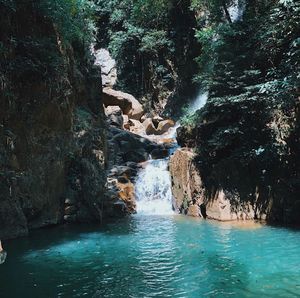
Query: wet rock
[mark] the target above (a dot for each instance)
(160, 153)
(125, 146)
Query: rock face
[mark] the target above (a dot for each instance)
(247, 158)
(187, 185)
(192, 198)
(115, 116)
(108, 67)
(52, 130)
(128, 104)
(164, 126)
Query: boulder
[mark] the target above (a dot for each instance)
(136, 127)
(149, 127)
(159, 153)
(187, 185)
(164, 126)
(128, 104)
(125, 146)
(114, 115)
(126, 124)
(190, 196)
(226, 206)
(70, 210)
(107, 65)
(156, 120)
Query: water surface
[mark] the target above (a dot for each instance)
(154, 256)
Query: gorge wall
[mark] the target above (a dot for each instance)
(52, 130)
(246, 138)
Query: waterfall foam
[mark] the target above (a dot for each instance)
(236, 10)
(198, 103)
(153, 189)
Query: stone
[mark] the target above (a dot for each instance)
(227, 206)
(70, 210)
(189, 193)
(107, 65)
(125, 146)
(123, 180)
(70, 201)
(194, 210)
(126, 124)
(187, 185)
(129, 105)
(159, 153)
(164, 126)
(126, 194)
(136, 127)
(156, 120)
(149, 127)
(70, 218)
(114, 115)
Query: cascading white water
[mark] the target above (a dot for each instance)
(236, 10)
(198, 103)
(153, 189)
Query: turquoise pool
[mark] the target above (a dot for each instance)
(154, 256)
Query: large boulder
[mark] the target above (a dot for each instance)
(149, 127)
(164, 126)
(186, 183)
(107, 65)
(191, 196)
(226, 206)
(136, 127)
(115, 116)
(125, 146)
(129, 105)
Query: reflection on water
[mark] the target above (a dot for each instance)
(154, 256)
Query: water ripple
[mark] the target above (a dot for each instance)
(155, 256)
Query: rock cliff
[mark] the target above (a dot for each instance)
(246, 159)
(52, 133)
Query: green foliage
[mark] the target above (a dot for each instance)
(73, 18)
(259, 54)
(155, 41)
(137, 34)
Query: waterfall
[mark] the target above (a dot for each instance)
(153, 189)
(236, 10)
(198, 103)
